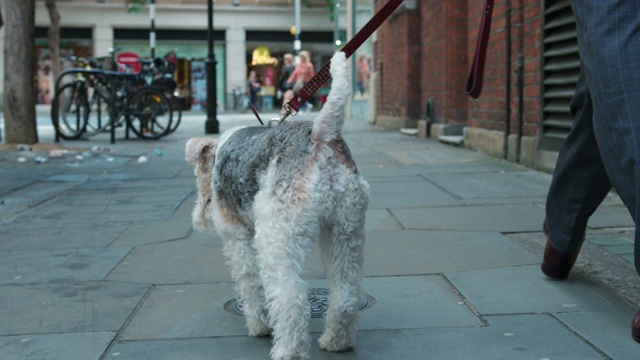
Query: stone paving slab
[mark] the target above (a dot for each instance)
(510, 185)
(110, 205)
(29, 197)
(66, 307)
(197, 259)
(609, 331)
(17, 177)
(380, 220)
(505, 338)
(70, 346)
(58, 265)
(58, 235)
(409, 193)
(413, 252)
(500, 218)
(182, 311)
(468, 168)
(611, 216)
(185, 310)
(147, 232)
(420, 155)
(410, 302)
(524, 290)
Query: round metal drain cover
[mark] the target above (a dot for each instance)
(317, 301)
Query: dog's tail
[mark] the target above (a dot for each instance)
(328, 124)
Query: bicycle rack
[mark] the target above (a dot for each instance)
(102, 76)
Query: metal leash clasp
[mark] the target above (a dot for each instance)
(287, 112)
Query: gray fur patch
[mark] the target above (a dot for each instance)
(245, 156)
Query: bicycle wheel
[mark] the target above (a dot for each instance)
(176, 117)
(99, 120)
(148, 113)
(71, 110)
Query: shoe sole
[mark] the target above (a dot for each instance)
(552, 273)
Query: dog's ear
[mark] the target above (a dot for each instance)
(200, 150)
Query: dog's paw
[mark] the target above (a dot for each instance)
(334, 344)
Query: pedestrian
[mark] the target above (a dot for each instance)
(253, 89)
(284, 88)
(302, 73)
(363, 73)
(602, 150)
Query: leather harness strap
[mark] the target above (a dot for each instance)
(323, 75)
(474, 81)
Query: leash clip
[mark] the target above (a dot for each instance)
(277, 121)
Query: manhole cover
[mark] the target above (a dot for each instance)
(317, 301)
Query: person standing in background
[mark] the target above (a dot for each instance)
(284, 88)
(253, 88)
(302, 73)
(363, 73)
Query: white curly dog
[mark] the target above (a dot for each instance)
(270, 192)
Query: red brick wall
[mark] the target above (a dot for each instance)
(398, 61)
(426, 53)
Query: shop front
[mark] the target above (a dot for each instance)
(191, 48)
(264, 55)
(73, 42)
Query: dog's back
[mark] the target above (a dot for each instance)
(245, 155)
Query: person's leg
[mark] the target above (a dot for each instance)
(609, 46)
(579, 185)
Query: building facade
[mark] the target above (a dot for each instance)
(422, 57)
(93, 27)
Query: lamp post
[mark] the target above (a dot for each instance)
(152, 33)
(211, 125)
(336, 27)
(297, 45)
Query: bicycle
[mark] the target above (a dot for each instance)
(126, 98)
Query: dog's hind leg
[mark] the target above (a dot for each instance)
(283, 243)
(244, 271)
(343, 255)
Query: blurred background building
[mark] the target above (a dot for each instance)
(248, 35)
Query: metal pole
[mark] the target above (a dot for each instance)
(354, 30)
(152, 33)
(336, 28)
(297, 45)
(211, 125)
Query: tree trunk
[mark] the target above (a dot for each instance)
(54, 39)
(19, 96)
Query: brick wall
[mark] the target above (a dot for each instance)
(426, 53)
(398, 61)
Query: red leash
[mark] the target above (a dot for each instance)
(323, 75)
(474, 81)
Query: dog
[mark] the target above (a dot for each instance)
(270, 192)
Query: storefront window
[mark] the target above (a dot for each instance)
(68, 47)
(190, 73)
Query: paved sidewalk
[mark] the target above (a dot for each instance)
(98, 259)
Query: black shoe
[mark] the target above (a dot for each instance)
(556, 264)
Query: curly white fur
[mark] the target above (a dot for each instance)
(270, 192)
